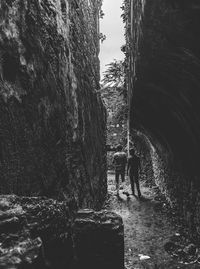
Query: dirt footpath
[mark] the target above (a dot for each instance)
(147, 228)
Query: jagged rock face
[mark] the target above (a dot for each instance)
(164, 89)
(99, 240)
(52, 119)
(35, 233)
(39, 233)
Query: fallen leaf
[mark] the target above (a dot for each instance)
(143, 257)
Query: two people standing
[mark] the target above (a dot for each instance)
(133, 165)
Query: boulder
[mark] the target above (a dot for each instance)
(99, 240)
(34, 233)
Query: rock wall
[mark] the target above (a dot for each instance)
(51, 116)
(164, 92)
(36, 234)
(98, 240)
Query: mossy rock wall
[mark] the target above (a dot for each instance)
(51, 116)
(164, 93)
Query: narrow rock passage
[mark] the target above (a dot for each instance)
(147, 228)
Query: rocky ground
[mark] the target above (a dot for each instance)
(41, 233)
(34, 233)
(152, 238)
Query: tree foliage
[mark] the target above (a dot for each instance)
(114, 75)
(112, 91)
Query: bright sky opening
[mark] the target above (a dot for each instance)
(112, 26)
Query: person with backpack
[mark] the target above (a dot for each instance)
(119, 161)
(133, 167)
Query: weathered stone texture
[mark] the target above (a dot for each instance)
(39, 233)
(99, 240)
(51, 116)
(164, 92)
(35, 233)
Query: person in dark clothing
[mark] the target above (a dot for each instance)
(133, 171)
(119, 161)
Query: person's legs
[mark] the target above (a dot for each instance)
(131, 177)
(137, 185)
(117, 181)
(123, 176)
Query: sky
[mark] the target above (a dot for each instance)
(112, 26)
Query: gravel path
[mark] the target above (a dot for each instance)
(146, 227)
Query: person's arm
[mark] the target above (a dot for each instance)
(113, 161)
(139, 164)
(128, 165)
